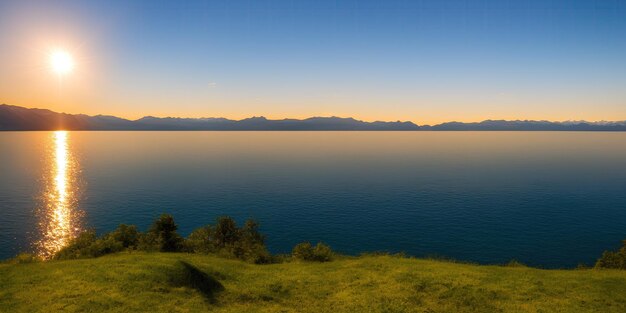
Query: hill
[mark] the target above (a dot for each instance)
(161, 282)
(19, 118)
(528, 125)
(15, 118)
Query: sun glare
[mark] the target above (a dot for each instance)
(60, 222)
(61, 62)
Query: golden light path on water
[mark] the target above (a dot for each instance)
(60, 218)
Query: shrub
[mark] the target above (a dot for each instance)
(303, 251)
(613, 259)
(127, 235)
(24, 258)
(200, 241)
(322, 253)
(147, 242)
(87, 245)
(104, 246)
(250, 233)
(228, 240)
(162, 236)
(226, 232)
(77, 247)
(253, 253)
(306, 252)
(225, 238)
(251, 244)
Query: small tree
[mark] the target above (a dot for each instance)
(303, 251)
(226, 239)
(162, 236)
(226, 232)
(322, 253)
(251, 244)
(613, 259)
(250, 234)
(201, 240)
(126, 234)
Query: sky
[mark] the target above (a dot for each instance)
(422, 61)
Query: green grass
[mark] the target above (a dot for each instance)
(160, 282)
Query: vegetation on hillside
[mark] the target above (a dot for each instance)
(613, 259)
(224, 238)
(307, 252)
(135, 281)
(160, 271)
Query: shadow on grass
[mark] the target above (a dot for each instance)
(187, 275)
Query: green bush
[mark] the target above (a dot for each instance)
(322, 253)
(200, 241)
(613, 259)
(147, 242)
(24, 258)
(251, 244)
(104, 246)
(87, 245)
(225, 238)
(306, 252)
(303, 251)
(162, 236)
(228, 240)
(128, 235)
(77, 247)
(226, 232)
(251, 252)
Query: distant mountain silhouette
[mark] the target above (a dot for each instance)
(502, 125)
(20, 118)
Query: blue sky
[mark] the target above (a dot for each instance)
(425, 61)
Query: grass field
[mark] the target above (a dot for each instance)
(160, 282)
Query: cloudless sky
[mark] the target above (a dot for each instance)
(424, 61)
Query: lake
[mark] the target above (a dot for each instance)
(549, 199)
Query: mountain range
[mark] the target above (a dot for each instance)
(16, 118)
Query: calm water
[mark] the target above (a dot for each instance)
(544, 198)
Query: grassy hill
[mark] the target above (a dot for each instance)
(172, 282)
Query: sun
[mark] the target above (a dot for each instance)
(61, 62)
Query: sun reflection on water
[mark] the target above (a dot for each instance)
(60, 217)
